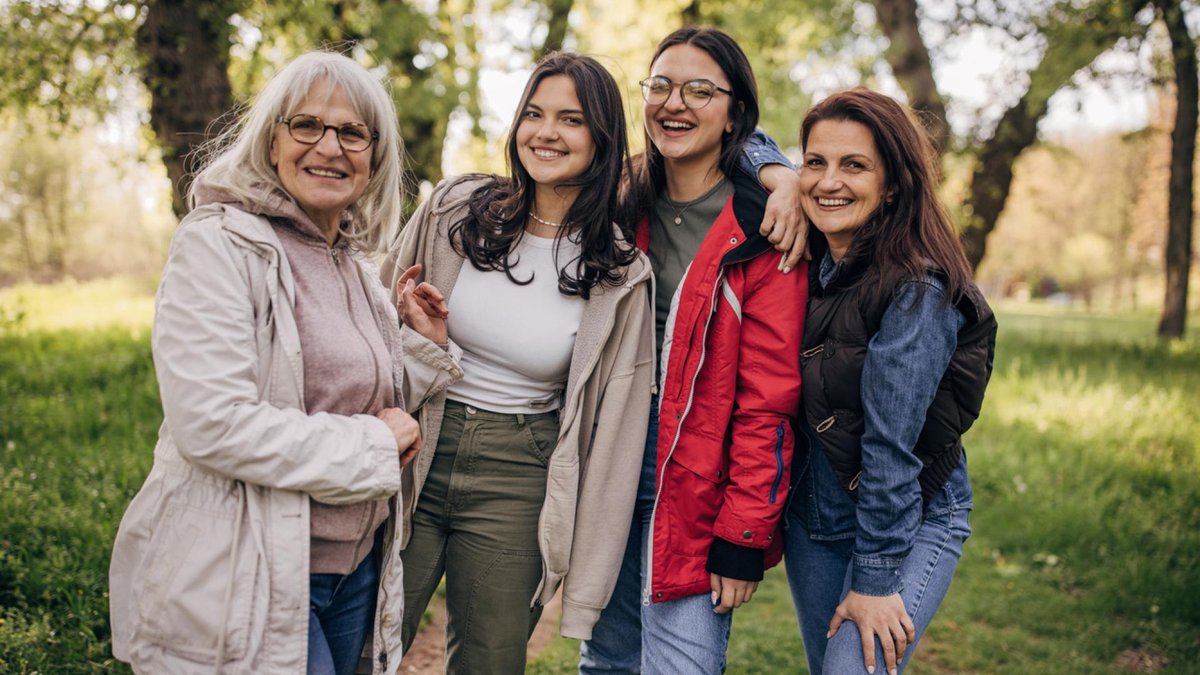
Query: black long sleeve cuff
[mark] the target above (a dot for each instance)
(736, 562)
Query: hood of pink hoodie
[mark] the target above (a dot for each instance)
(277, 207)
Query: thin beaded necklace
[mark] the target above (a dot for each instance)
(544, 221)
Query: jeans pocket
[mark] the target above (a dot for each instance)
(541, 435)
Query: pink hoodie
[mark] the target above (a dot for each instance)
(347, 367)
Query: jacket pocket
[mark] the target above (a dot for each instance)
(694, 493)
(191, 561)
(557, 527)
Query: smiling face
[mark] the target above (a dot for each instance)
(322, 178)
(842, 181)
(680, 133)
(554, 143)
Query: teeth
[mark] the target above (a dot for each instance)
(672, 124)
(547, 154)
(326, 174)
(833, 202)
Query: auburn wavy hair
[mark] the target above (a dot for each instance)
(911, 231)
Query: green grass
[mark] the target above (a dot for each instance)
(1086, 467)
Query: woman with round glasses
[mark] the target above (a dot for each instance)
(263, 539)
(715, 468)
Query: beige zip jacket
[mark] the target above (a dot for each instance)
(210, 566)
(593, 473)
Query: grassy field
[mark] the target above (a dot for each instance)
(1086, 466)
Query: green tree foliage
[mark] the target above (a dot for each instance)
(63, 56)
(428, 50)
(1079, 239)
(77, 204)
(781, 39)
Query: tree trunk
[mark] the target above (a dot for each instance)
(1183, 150)
(690, 14)
(185, 47)
(22, 219)
(910, 63)
(556, 34)
(1067, 52)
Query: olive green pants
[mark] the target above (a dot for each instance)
(476, 522)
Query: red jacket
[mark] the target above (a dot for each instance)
(729, 392)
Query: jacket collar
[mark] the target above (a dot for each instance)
(749, 203)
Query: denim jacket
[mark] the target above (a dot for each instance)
(905, 361)
(761, 150)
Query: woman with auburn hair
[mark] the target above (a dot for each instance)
(527, 475)
(715, 467)
(898, 349)
(263, 540)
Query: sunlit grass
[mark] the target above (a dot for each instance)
(68, 304)
(1085, 463)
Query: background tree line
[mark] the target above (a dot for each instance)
(1084, 215)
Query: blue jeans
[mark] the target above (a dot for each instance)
(635, 635)
(819, 573)
(340, 616)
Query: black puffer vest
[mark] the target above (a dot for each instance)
(842, 318)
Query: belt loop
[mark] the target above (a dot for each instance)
(520, 420)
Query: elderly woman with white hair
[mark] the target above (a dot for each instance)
(263, 539)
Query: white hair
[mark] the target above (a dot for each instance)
(238, 162)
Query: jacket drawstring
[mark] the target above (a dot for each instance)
(233, 551)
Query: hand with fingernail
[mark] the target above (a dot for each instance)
(784, 224)
(421, 306)
(877, 616)
(729, 593)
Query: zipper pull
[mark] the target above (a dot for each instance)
(333, 253)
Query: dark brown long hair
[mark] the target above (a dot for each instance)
(498, 211)
(911, 231)
(649, 173)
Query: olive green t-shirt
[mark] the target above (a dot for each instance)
(673, 246)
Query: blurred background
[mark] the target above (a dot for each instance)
(1055, 117)
(1067, 132)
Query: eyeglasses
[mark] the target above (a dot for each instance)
(695, 93)
(310, 129)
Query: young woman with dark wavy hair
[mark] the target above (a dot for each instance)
(527, 475)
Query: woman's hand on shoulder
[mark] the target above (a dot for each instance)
(884, 616)
(421, 306)
(784, 224)
(406, 429)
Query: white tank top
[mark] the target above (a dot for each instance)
(516, 339)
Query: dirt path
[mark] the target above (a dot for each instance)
(429, 649)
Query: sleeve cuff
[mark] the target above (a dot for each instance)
(736, 562)
(876, 579)
(577, 621)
